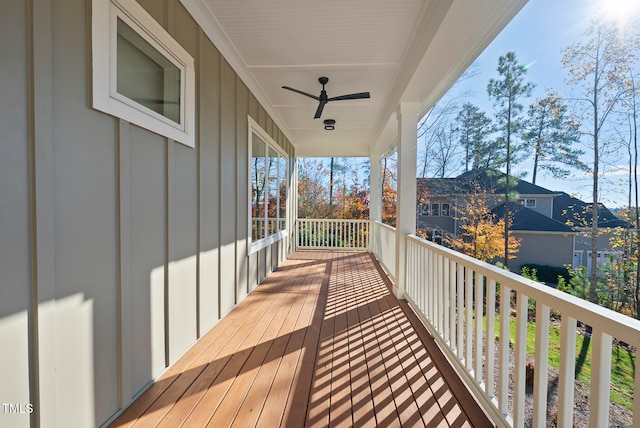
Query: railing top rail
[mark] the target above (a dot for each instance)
(317, 220)
(613, 323)
(379, 223)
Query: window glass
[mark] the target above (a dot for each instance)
(446, 210)
(146, 76)
(282, 193)
(272, 210)
(268, 189)
(257, 188)
(435, 209)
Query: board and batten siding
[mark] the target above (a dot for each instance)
(119, 248)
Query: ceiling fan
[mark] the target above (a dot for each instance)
(324, 99)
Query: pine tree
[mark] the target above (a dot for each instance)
(550, 134)
(506, 93)
(474, 128)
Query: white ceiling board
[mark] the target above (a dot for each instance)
(293, 32)
(398, 50)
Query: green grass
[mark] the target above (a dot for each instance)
(622, 364)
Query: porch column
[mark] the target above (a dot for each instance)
(406, 206)
(375, 190)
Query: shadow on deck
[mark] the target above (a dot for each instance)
(321, 342)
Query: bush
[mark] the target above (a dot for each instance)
(547, 274)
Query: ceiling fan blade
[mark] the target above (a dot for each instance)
(358, 96)
(301, 92)
(320, 108)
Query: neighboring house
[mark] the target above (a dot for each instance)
(552, 225)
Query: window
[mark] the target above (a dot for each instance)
(268, 189)
(140, 73)
(528, 203)
(436, 210)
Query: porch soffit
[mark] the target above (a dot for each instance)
(400, 51)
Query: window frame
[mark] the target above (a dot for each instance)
(105, 96)
(257, 245)
(525, 202)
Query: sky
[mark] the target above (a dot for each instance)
(538, 35)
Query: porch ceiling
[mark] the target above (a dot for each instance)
(400, 51)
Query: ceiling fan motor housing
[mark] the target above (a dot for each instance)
(323, 99)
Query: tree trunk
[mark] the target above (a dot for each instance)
(331, 189)
(507, 190)
(593, 277)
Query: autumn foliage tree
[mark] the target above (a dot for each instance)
(336, 190)
(481, 233)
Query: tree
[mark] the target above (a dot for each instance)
(506, 93)
(474, 128)
(630, 241)
(312, 193)
(436, 135)
(550, 134)
(481, 234)
(597, 67)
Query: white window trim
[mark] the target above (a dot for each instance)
(105, 14)
(255, 246)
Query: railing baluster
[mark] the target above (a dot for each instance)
(600, 379)
(444, 310)
(505, 320)
(478, 341)
(541, 365)
(469, 307)
(567, 369)
(489, 359)
(439, 299)
(636, 395)
(432, 288)
(452, 303)
(521, 359)
(460, 280)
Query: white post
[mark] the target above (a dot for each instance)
(406, 207)
(375, 191)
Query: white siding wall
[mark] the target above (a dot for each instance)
(115, 246)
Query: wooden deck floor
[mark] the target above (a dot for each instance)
(320, 343)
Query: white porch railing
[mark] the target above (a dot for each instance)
(383, 245)
(332, 234)
(453, 293)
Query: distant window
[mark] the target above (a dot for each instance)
(268, 189)
(140, 73)
(445, 209)
(425, 209)
(527, 203)
(435, 210)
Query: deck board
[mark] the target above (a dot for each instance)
(321, 342)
